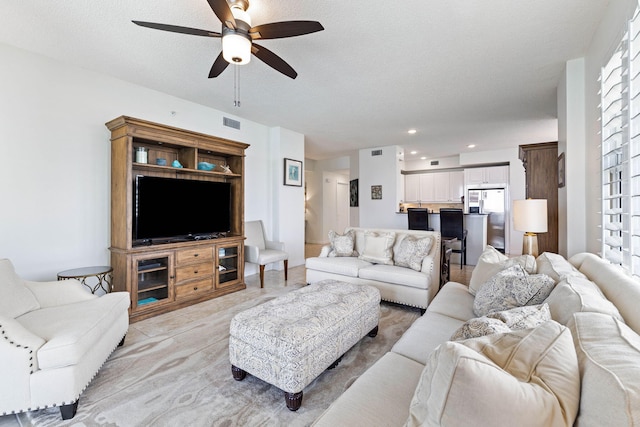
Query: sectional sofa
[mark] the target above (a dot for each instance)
(403, 264)
(582, 367)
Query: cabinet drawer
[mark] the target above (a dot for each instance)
(194, 287)
(187, 256)
(194, 271)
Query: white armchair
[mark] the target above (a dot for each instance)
(54, 337)
(259, 250)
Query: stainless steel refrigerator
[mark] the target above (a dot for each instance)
(492, 202)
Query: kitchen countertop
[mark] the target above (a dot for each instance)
(438, 213)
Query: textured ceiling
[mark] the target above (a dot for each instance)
(461, 72)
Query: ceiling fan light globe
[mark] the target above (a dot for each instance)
(236, 49)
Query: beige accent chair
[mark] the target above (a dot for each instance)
(259, 250)
(54, 337)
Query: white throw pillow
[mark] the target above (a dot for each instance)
(342, 245)
(515, 319)
(378, 247)
(411, 251)
(522, 378)
(15, 298)
(556, 266)
(491, 261)
(578, 294)
(609, 360)
(511, 288)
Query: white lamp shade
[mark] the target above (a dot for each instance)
(530, 215)
(236, 49)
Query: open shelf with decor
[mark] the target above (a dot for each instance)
(177, 269)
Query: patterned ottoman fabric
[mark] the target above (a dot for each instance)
(290, 340)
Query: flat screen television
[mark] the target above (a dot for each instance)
(168, 208)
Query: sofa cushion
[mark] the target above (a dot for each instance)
(342, 245)
(512, 288)
(491, 262)
(395, 275)
(609, 360)
(525, 378)
(411, 251)
(453, 300)
(15, 298)
(378, 247)
(425, 335)
(378, 397)
(67, 338)
(503, 321)
(346, 266)
(577, 294)
(555, 266)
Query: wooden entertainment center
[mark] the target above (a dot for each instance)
(174, 273)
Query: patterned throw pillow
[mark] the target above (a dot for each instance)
(491, 262)
(378, 247)
(342, 245)
(411, 251)
(515, 319)
(511, 288)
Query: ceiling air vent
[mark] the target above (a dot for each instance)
(435, 162)
(376, 152)
(231, 123)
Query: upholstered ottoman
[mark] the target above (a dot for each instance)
(292, 339)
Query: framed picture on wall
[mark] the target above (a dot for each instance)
(293, 172)
(353, 193)
(376, 192)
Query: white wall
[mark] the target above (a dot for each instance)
(572, 203)
(382, 170)
(55, 149)
(288, 201)
(411, 164)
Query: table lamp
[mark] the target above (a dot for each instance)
(530, 216)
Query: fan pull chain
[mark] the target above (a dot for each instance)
(236, 86)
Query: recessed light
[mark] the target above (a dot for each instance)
(471, 146)
(411, 131)
(414, 152)
(423, 158)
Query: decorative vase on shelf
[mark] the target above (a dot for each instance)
(206, 166)
(176, 164)
(142, 154)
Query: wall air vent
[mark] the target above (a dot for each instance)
(231, 123)
(435, 162)
(376, 152)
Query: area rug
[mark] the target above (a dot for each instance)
(174, 371)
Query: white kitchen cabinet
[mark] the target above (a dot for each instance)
(434, 187)
(411, 188)
(456, 186)
(494, 175)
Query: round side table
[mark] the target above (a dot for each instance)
(101, 273)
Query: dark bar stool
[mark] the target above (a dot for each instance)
(418, 219)
(452, 225)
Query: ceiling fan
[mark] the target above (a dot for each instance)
(238, 36)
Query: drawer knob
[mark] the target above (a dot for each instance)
(195, 272)
(195, 255)
(195, 288)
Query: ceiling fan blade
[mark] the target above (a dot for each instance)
(223, 12)
(219, 65)
(273, 60)
(278, 30)
(178, 29)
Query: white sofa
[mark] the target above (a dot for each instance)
(397, 284)
(428, 380)
(54, 337)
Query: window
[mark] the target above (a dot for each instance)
(620, 131)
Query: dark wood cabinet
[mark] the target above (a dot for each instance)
(541, 168)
